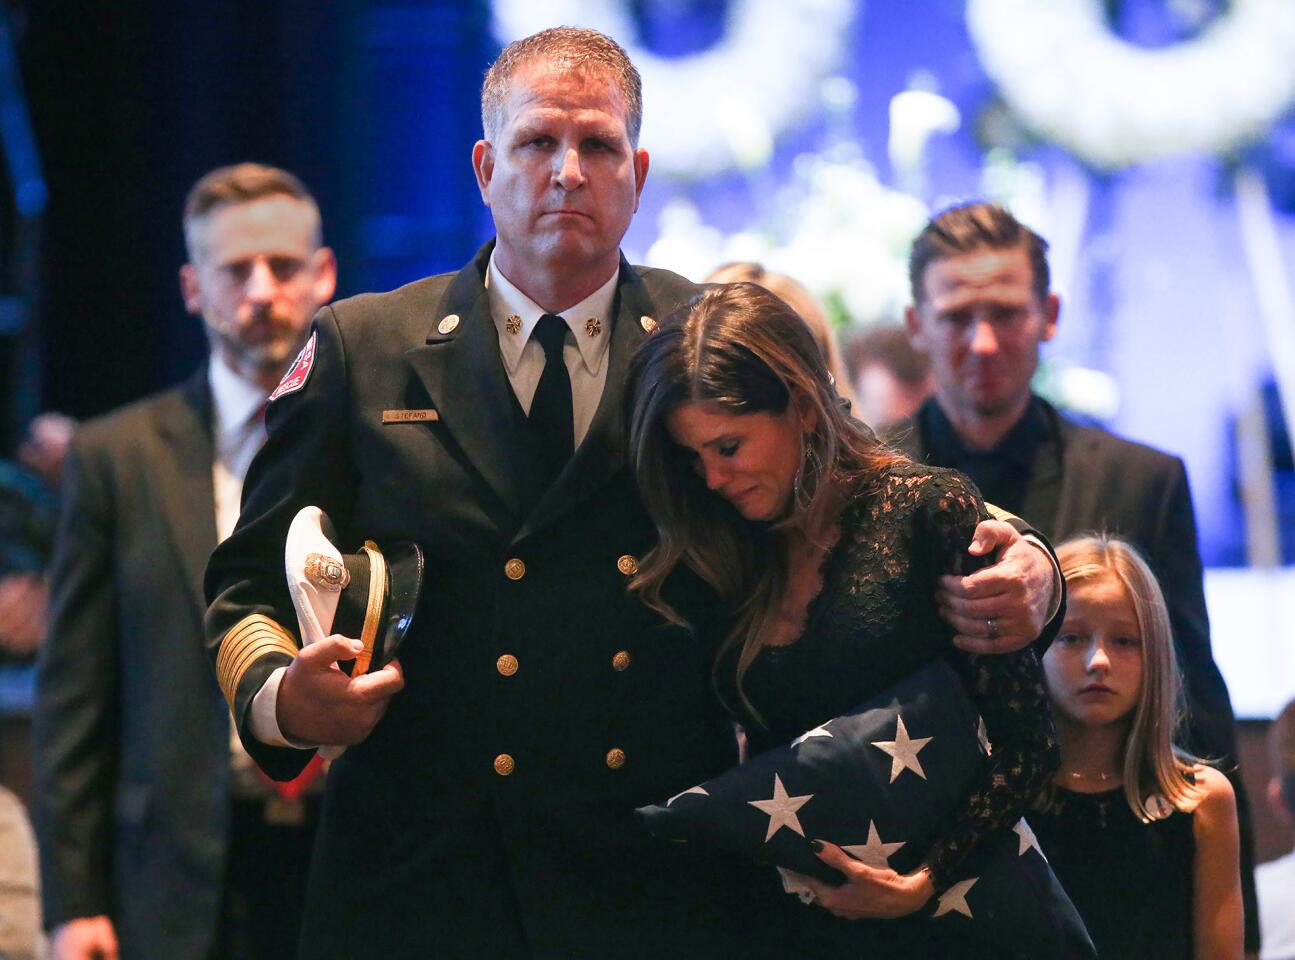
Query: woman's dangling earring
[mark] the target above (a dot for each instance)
(808, 465)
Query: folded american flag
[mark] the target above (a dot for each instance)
(882, 781)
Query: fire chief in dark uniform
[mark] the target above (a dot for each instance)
(485, 810)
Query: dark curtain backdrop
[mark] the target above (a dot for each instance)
(373, 105)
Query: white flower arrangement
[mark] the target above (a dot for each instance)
(1114, 104)
(847, 238)
(722, 108)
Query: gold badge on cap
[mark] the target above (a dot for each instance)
(448, 324)
(326, 573)
(648, 324)
(593, 326)
(513, 324)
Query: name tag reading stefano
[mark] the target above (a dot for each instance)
(409, 416)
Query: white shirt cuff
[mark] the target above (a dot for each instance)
(264, 720)
(1055, 605)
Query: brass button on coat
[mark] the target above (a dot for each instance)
(506, 665)
(615, 758)
(627, 565)
(504, 765)
(514, 569)
(621, 662)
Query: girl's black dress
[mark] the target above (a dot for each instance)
(1130, 881)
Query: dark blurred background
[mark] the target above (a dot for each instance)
(132, 101)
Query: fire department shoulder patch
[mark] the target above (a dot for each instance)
(298, 373)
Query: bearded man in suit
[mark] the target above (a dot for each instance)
(150, 831)
(486, 810)
(982, 308)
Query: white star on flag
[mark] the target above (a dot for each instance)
(903, 751)
(874, 853)
(1028, 839)
(954, 900)
(684, 793)
(816, 732)
(781, 809)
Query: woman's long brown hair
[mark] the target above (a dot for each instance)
(741, 349)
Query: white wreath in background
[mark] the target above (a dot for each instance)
(1115, 104)
(721, 108)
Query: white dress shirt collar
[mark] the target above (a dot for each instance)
(237, 433)
(589, 320)
(234, 401)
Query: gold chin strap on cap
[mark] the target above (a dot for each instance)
(249, 640)
(373, 610)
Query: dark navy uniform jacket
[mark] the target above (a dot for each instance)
(489, 813)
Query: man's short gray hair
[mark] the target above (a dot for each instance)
(574, 49)
(241, 183)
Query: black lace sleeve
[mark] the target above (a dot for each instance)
(1008, 690)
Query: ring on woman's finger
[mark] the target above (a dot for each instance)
(993, 628)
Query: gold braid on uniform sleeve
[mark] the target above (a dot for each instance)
(998, 513)
(246, 642)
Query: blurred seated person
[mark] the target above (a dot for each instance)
(28, 507)
(1275, 880)
(20, 929)
(797, 296)
(27, 516)
(891, 379)
(45, 448)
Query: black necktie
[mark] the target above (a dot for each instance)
(551, 417)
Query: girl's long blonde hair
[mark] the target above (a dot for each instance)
(742, 349)
(1153, 764)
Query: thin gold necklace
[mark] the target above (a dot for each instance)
(1100, 776)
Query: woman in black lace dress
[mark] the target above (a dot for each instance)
(825, 548)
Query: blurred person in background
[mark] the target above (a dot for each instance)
(797, 296)
(28, 505)
(27, 517)
(891, 379)
(1275, 880)
(154, 836)
(20, 926)
(45, 447)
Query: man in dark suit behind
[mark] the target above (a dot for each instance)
(982, 306)
(151, 835)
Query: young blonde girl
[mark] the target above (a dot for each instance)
(1142, 835)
